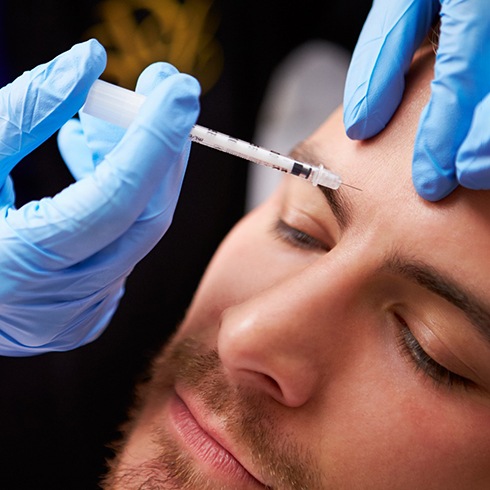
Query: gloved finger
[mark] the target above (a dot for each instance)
(87, 294)
(83, 144)
(74, 150)
(74, 142)
(37, 103)
(98, 209)
(7, 194)
(118, 258)
(462, 80)
(375, 80)
(83, 296)
(152, 75)
(100, 136)
(58, 320)
(159, 203)
(473, 157)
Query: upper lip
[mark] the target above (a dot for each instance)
(197, 410)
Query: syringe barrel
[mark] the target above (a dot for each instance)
(113, 104)
(120, 106)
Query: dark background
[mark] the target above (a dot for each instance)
(58, 411)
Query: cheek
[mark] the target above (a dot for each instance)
(250, 260)
(232, 273)
(406, 432)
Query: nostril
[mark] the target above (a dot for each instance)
(272, 386)
(271, 381)
(260, 382)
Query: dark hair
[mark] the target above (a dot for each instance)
(433, 36)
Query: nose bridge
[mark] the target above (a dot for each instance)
(283, 338)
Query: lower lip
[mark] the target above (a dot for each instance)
(206, 450)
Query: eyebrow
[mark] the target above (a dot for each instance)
(339, 204)
(433, 280)
(416, 271)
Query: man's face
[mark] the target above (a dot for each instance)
(337, 340)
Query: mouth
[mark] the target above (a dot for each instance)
(208, 448)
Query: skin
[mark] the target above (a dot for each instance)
(298, 360)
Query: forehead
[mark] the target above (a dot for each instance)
(387, 156)
(454, 233)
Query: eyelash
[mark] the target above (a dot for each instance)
(411, 348)
(408, 344)
(297, 238)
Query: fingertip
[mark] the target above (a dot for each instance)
(365, 115)
(355, 111)
(187, 91)
(430, 181)
(175, 101)
(73, 149)
(474, 171)
(96, 48)
(91, 54)
(190, 85)
(358, 129)
(154, 74)
(72, 126)
(355, 128)
(68, 133)
(475, 183)
(364, 127)
(473, 156)
(433, 190)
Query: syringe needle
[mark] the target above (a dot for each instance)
(351, 186)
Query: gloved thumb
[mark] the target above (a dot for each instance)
(74, 150)
(40, 101)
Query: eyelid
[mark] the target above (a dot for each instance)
(422, 361)
(298, 238)
(304, 203)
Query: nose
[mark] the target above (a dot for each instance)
(285, 340)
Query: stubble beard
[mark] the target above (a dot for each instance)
(246, 418)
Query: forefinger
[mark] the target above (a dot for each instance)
(375, 81)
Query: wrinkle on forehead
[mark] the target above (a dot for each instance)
(380, 166)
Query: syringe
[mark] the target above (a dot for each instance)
(119, 106)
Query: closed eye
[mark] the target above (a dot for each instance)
(411, 348)
(297, 238)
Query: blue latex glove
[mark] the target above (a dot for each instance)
(64, 259)
(453, 140)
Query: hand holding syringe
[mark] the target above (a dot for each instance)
(119, 106)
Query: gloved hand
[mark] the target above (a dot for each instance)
(64, 260)
(453, 139)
